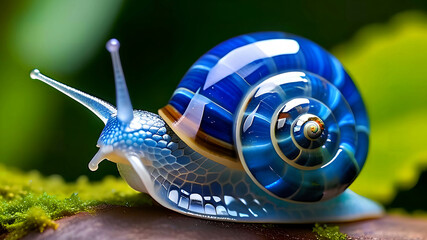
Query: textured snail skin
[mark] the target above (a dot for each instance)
(313, 113)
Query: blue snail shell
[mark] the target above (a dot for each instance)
(246, 101)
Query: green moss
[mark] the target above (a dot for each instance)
(268, 225)
(29, 201)
(328, 232)
(34, 218)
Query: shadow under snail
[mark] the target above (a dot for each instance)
(265, 127)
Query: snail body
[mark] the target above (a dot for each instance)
(265, 127)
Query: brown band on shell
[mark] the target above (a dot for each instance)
(208, 146)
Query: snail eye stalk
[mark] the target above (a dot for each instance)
(101, 108)
(124, 105)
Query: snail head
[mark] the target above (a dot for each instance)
(121, 142)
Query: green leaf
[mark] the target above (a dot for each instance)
(388, 64)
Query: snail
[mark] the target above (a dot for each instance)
(265, 127)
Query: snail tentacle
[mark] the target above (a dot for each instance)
(100, 108)
(124, 105)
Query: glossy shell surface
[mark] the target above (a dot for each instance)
(248, 103)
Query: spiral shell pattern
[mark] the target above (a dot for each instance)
(281, 107)
(297, 137)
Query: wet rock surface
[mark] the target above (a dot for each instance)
(155, 222)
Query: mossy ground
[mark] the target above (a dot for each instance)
(30, 201)
(326, 232)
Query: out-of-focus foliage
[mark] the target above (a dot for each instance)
(61, 35)
(57, 35)
(388, 62)
(402, 212)
(29, 201)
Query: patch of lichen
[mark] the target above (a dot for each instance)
(30, 201)
(326, 232)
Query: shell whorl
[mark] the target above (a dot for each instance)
(279, 106)
(307, 154)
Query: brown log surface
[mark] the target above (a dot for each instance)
(155, 222)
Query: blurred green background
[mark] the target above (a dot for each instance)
(382, 44)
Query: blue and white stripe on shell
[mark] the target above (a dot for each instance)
(265, 127)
